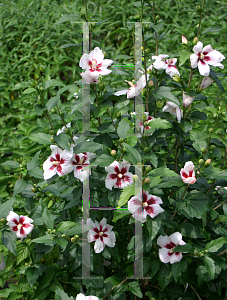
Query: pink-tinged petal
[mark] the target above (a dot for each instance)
(91, 236)
(12, 216)
(91, 298)
(111, 167)
(110, 240)
(21, 233)
(125, 164)
(172, 71)
(65, 169)
(172, 104)
(207, 49)
(175, 257)
(80, 297)
(214, 57)
(81, 174)
(187, 100)
(189, 167)
(141, 83)
(49, 173)
(90, 222)
(84, 61)
(140, 215)
(109, 182)
(89, 79)
(122, 92)
(106, 63)
(182, 243)
(164, 255)
(27, 219)
(128, 179)
(198, 48)
(28, 228)
(204, 68)
(99, 246)
(179, 114)
(175, 238)
(154, 200)
(133, 204)
(162, 241)
(103, 222)
(194, 60)
(154, 210)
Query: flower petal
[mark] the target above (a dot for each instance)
(162, 241)
(164, 255)
(198, 48)
(174, 258)
(110, 240)
(194, 60)
(99, 246)
(204, 68)
(176, 238)
(122, 92)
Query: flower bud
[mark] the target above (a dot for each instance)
(66, 130)
(176, 78)
(215, 115)
(157, 18)
(184, 40)
(187, 100)
(51, 132)
(150, 83)
(124, 150)
(50, 203)
(207, 163)
(199, 90)
(121, 140)
(211, 130)
(52, 140)
(147, 180)
(135, 178)
(201, 161)
(146, 149)
(73, 239)
(203, 150)
(148, 169)
(52, 110)
(3, 220)
(33, 190)
(118, 115)
(113, 153)
(63, 235)
(212, 147)
(207, 81)
(195, 41)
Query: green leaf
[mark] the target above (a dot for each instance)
(184, 55)
(36, 172)
(66, 18)
(6, 207)
(63, 141)
(184, 248)
(8, 240)
(103, 160)
(210, 265)
(210, 29)
(78, 229)
(47, 239)
(41, 138)
(164, 92)
(215, 245)
(163, 171)
(51, 83)
(221, 218)
(69, 45)
(11, 164)
(155, 181)
(62, 242)
(127, 192)
(122, 128)
(133, 154)
(164, 276)
(214, 173)
(158, 123)
(20, 185)
(60, 295)
(196, 208)
(134, 287)
(178, 268)
(87, 147)
(23, 250)
(34, 162)
(33, 274)
(218, 82)
(199, 144)
(190, 231)
(119, 214)
(39, 109)
(48, 218)
(153, 227)
(29, 91)
(52, 102)
(65, 225)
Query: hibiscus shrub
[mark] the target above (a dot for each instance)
(127, 200)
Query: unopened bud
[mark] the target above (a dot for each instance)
(3, 220)
(187, 100)
(203, 150)
(215, 115)
(211, 130)
(184, 40)
(118, 115)
(148, 169)
(147, 180)
(113, 153)
(63, 235)
(176, 78)
(207, 163)
(51, 132)
(121, 140)
(50, 203)
(207, 81)
(195, 41)
(212, 147)
(201, 161)
(146, 149)
(33, 190)
(73, 239)
(150, 83)
(157, 18)
(52, 140)
(52, 110)
(124, 150)
(199, 90)
(66, 130)
(135, 178)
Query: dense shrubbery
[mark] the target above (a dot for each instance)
(174, 146)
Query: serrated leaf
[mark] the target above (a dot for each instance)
(61, 242)
(29, 91)
(164, 92)
(78, 229)
(210, 29)
(48, 218)
(184, 248)
(34, 162)
(190, 231)
(33, 274)
(41, 138)
(215, 245)
(134, 288)
(210, 266)
(36, 172)
(163, 171)
(119, 214)
(23, 250)
(164, 276)
(46, 240)
(8, 240)
(20, 185)
(133, 154)
(66, 18)
(51, 83)
(103, 160)
(11, 164)
(158, 123)
(63, 141)
(122, 128)
(153, 227)
(127, 192)
(52, 102)
(87, 147)
(184, 56)
(65, 225)
(178, 268)
(6, 207)
(218, 82)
